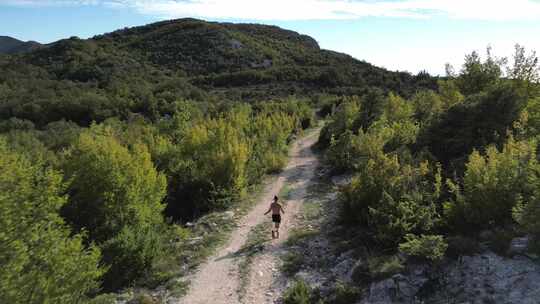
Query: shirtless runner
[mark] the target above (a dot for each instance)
(276, 209)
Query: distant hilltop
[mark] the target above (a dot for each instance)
(9, 45)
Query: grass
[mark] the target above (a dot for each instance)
(285, 193)
(297, 235)
(381, 267)
(292, 263)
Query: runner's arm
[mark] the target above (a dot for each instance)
(269, 209)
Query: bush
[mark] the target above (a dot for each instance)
(492, 185)
(500, 241)
(527, 214)
(345, 294)
(214, 160)
(130, 255)
(292, 263)
(377, 268)
(430, 247)
(116, 195)
(111, 186)
(461, 245)
(392, 200)
(346, 113)
(299, 293)
(478, 121)
(41, 260)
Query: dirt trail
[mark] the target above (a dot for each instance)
(217, 280)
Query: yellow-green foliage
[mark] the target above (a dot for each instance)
(350, 149)
(221, 152)
(397, 109)
(532, 111)
(112, 186)
(428, 105)
(527, 214)
(116, 196)
(40, 260)
(346, 114)
(449, 94)
(492, 185)
(215, 159)
(431, 247)
(269, 141)
(299, 293)
(351, 152)
(393, 199)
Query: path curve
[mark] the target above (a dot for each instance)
(217, 280)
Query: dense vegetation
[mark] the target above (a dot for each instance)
(433, 171)
(146, 69)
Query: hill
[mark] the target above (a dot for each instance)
(146, 68)
(9, 45)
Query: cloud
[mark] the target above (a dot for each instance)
(500, 10)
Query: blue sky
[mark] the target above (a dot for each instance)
(409, 35)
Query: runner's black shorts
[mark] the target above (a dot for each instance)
(276, 218)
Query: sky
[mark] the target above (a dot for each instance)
(405, 35)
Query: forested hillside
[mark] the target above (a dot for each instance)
(9, 45)
(146, 69)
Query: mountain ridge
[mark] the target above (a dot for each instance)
(148, 68)
(10, 45)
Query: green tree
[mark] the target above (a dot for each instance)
(427, 105)
(493, 184)
(477, 75)
(343, 119)
(392, 199)
(111, 186)
(40, 260)
(372, 107)
(449, 94)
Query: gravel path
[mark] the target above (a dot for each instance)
(217, 280)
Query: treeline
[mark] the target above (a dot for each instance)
(86, 210)
(433, 171)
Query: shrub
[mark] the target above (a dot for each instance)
(500, 241)
(461, 245)
(298, 293)
(214, 160)
(344, 294)
(492, 185)
(111, 186)
(478, 121)
(385, 266)
(392, 200)
(527, 214)
(430, 247)
(377, 268)
(116, 195)
(41, 260)
(130, 255)
(346, 113)
(428, 105)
